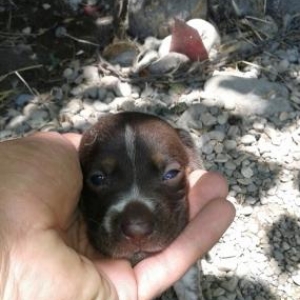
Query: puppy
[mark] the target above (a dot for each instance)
(135, 169)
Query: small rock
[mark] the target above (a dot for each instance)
(208, 148)
(208, 119)
(110, 82)
(230, 285)
(4, 134)
(68, 73)
(219, 149)
(230, 165)
(16, 121)
(247, 172)
(283, 66)
(222, 119)
(218, 292)
(100, 106)
(296, 279)
(29, 109)
(90, 74)
(148, 58)
(230, 144)
(221, 158)
(122, 103)
(102, 93)
(229, 264)
(46, 6)
(86, 113)
(123, 89)
(248, 139)
(169, 63)
(77, 90)
(151, 43)
(247, 210)
(216, 135)
(79, 122)
(27, 30)
(284, 116)
(39, 116)
(73, 107)
(66, 126)
(23, 99)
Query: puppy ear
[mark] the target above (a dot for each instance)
(195, 161)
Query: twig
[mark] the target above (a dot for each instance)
(25, 83)
(20, 70)
(80, 40)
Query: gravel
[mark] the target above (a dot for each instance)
(246, 125)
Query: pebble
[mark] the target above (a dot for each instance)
(229, 265)
(90, 74)
(283, 66)
(73, 106)
(208, 119)
(168, 63)
(29, 109)
(23, 99)
(248, 139)
(247, 210)
(218, 292)
(100, 106)
(123, 89)
(79, 122)
(247, 172)
(230, 285)
(77, 90)
(216, 135)
(296, 279)
(230, 144)
(16, 121)
(68, 74)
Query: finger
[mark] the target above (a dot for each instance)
(204, 187)
(157, 273)
(74, 138)
(121, 274)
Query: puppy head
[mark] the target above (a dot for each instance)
(135, 169)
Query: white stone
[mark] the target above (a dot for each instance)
(248, 139)
(68, 73)
(247, 172)
(124, 89)
(90, 74)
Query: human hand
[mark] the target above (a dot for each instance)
(44, 253)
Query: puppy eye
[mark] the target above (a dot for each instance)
(170, 174)
(97, 179)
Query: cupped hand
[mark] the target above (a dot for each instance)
(44, 252)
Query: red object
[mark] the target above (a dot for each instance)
(186, 40)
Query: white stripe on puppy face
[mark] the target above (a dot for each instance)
(130, 144)
(133, 193)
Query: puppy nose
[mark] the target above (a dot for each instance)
(137, 221)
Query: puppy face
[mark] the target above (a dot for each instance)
(135, 169)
